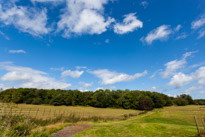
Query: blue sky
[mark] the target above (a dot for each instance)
(90, 44)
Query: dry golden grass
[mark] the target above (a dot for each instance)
(46, 111)
(54, 126)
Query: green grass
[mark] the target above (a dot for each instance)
(172, 121)
(168, 122)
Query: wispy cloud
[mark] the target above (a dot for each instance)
(26, 77)
(130, 23)
(26, 19)
(192, 89)
(46, 1)
(81, 67)
(111, 77)
(57, 69)
(181, 36)
(107, 41)
(152, 88)
(178, 27)
(155, 73)
(173, 66)
(160, 33)
(144, 4)
(201, 33)
(73, 74)
(17, 51)
(85, 85)
(4, 35)
(198, 23)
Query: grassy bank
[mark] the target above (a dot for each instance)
(169, 122)
(21, 126)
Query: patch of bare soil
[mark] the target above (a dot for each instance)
(70, 131)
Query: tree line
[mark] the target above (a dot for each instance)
(134, 99)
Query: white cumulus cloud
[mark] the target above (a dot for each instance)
(153, 88)
(179, 80)
(111, 77)
(30, 78)
(86, 85)
(130, 23)
(84, 17)
(26, 19)
(173, 66)
(73, 74)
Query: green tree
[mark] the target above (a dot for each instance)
(18, 96)
(188, 98)
(158, 100)
(179, 101)
(101, 98)
(145, 103)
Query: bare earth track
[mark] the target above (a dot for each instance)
(70, 131)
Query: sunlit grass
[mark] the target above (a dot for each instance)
(167, 122)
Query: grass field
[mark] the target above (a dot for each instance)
(46, 111)
(167, 122)
(175, 121)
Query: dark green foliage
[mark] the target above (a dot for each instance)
(146, 103)
(35, 101)
(102, 98)
(181, 101)
(130, 100)
(199, 102)
(159, 100)
(135, 99)
(184, 100)
(188, 98)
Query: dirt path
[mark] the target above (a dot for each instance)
(70, 131)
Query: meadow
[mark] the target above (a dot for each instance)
(47, 111)
(170, 121)
(175, 121)
(43, 120)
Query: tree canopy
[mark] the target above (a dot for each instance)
(135, 99)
